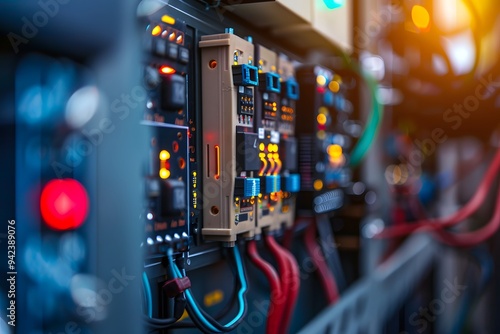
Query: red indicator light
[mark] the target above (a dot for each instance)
(167, 70)
(64, 204)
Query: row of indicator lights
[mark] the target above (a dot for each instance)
(195, 193)
(164, 156)
(271, 148)
(333, 85)
(164, 165)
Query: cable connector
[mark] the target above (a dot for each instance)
(176, 286)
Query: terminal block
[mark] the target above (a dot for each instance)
(231, 157)
(267, 102)
(288, 148)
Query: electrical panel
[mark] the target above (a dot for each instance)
(230, 143)
(323, 142)
(169, 179)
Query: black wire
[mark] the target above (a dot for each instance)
(213, 321)
(221, 314)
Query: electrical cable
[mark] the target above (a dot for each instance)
(147, 294)
(289, 277)
(203, 319)
(275, 310)
(472, 238)
(157, 323)
(223, 312)
(325, 276)
(372, 126)
(284, 275)
(439, 223)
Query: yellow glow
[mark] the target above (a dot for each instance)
(321, 118)
(194, 174)
(262, 146)
(179, 39)
(164, 155)
(156, 31)
(321, 80)
(334, 86)
(323, 110)
(318, 185)
(164, 173)
(334, 151)
(276, 158)
(420, 17)
(195, 194)
(172, 37)
(168, 19)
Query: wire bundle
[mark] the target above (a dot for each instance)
(466, 239)
(325, 275)
(202, 319)
(289, 279)
(277, 299)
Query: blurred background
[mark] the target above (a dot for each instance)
(249, 166)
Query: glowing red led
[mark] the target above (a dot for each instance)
(64, 204)
(167, 70)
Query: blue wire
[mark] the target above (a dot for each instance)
(241, 292)
(147, 290)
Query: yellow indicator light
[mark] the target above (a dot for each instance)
(237, 199)
(321, 80)
(168, 19)
(420, 17)
(194, 174)
(164, 155)
(334, 86)
(217, 162)
(318, 185)
(262, 147)
(195, 194)
(321, 118)
(164, 173)
(156, 31)
(334, 151)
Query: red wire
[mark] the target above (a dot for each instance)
(436, 224)
(275, 310)
(325, 275)
(294, 288)
(288, 277)
(469, 239)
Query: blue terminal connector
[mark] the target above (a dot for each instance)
(245, 75)
(292, 89)
(291, 183)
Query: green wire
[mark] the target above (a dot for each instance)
(374, 119)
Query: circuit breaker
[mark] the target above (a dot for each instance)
(230, 142)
